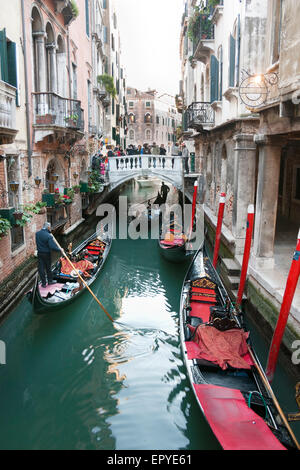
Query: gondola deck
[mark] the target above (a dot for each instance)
(228, 388)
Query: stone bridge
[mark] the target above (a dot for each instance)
(167, 168)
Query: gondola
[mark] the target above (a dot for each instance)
(173, 244)
(89, 258)
(225, 375)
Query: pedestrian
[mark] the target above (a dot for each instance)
(164, 190)
(185, 156)
(154, 151)
(162, 151)
(45, 244)
(174, 152)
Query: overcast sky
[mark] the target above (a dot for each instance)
(150, 32)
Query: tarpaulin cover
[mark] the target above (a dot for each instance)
(222, 347)
(235, 425)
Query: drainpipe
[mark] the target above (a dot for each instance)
(69, 62)
(29, 147)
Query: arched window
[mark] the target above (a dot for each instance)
(39, 52)
(148, 134)
(61, 64)
(131, 134)
(131, 118)
(148, 118)
(51, 59)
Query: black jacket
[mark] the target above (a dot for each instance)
(45, 242)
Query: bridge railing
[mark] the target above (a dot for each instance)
(145, 163)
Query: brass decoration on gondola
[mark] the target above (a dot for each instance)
(205, 283)
(296, 416)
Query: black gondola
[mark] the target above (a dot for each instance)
(92, 254)
(226, 377)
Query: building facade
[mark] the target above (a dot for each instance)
(151, 118)
(239, 101)
(55, 115)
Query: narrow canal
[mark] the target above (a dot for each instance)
(74, 380)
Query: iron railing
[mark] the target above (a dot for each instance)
(200, 114)
(203, 29)
(51, 109)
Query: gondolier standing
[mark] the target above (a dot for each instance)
(45, 244)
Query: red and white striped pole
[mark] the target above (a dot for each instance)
(219, 228)
(289, 293)
(194, 205)
(247, 249)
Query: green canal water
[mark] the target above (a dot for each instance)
(74, 380)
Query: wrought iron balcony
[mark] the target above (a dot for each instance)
(51, 110)
(199, 115)
(7, 113)
(203, 38)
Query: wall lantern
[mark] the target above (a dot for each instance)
(37, 181)
(14, 186)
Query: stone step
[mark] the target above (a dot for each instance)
(235, 293)
(233, 281)
(231, 267)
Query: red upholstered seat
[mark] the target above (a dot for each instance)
(201, 310)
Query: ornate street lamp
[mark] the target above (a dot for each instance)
(55, 177)
(14, 186)
(37, 181)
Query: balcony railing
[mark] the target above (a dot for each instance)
(7, 113)
(51, 110)
(203, 30)
(200, 114)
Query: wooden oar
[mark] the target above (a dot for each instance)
(268, 386)
(82, 280)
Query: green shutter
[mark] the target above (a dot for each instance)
(3, 56)
(87, 17)
(12, 67)
(232, 61)
(214, 79)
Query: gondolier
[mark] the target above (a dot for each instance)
(45, 244)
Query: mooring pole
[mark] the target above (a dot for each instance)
(289, 293)
(219, 228)
(194, 205)
(247, 249)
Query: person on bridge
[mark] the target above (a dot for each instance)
(162, 151)
(185, 156)
(174, 152)
(164, 190)
(45, 244)
(154, 151)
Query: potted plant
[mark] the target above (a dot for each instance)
(38, 208)
(26, 217)
(76, 188)
(18, 214)
(5, 226)
(108, 82)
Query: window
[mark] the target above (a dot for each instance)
(131, 134)
(17, 237)
(148, 104)
(131, 104)
(8, 62)
(131, 118)
(214, 79)
(232, 51)
(148, 134)
(157, 119)
(148, 118)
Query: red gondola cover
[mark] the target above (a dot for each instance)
(234, 424)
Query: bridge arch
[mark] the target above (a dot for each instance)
(166, 168)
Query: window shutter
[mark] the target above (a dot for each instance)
(232, 61)
(87, 17)
(214, 79)
(105, 34)
(12, 67)
(3, 55)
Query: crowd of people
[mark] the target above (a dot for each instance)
(101, 159)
